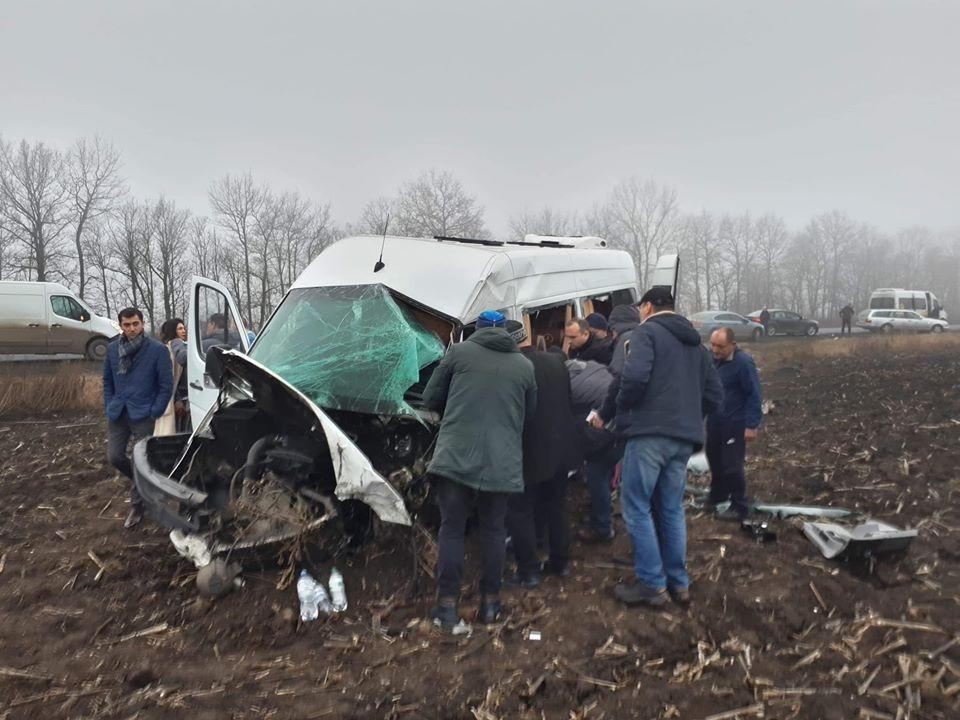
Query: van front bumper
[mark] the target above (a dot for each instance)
(168, 502)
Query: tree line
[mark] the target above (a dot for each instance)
(67, 215)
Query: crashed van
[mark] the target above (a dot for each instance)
(321, 422)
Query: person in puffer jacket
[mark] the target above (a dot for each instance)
(589, 384)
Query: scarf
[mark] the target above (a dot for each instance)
(126, 352)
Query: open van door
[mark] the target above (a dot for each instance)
(215, 320)
(666, 274)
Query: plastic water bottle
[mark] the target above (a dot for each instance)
(313, 597)
(338, 591)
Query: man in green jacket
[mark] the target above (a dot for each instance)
(485, 390)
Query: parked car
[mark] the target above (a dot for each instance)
(899, 321)
(45, 318)
(743, 328)
(322, 422)
(787, 322)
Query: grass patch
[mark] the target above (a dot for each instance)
(905, 345)
(38, 390)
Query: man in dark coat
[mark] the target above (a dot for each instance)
(550, 451)
(624, 319)
(667, 386)
(486, 390)
(765, 320)
(846, 319)
(137, 387)
(732, 425)
(582, 344)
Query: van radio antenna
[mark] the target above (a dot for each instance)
(380, 264)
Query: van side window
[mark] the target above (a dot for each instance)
(882, 302)
(919, 301)
(606, 302)
(548, 323)
(66, 307)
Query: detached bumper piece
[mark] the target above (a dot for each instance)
(861, 542)
(166, 501)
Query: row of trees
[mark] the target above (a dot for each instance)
(66, 215)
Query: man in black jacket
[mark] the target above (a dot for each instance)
(582, 344)
(667, 386)
(550, 450)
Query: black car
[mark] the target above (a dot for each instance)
(787, 322)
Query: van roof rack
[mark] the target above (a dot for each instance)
(468, 241)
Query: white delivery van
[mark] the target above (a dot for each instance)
(324, 412)
(45, 318)
(920, 301)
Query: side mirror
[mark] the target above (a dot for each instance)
(214, 365)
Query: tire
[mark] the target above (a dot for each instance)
(97, 349)
(758, 333)
(772, 330)
(937, 329)
(888, 328)
(812, 330)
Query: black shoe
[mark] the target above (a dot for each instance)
(681, 596)
(548, 568)
(592, 536)
(526, 582)
(490, 612)
(133, 518)
(445, 617)
(636, 593)
(732, 515)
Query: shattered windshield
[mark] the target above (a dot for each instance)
(349, 347)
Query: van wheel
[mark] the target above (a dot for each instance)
(97, 349)
(937, 329)
(887, 328)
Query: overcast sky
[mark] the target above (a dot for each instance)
(786, 107)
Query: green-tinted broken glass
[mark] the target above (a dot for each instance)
(348, 348)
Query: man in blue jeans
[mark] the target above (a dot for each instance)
(137, 387)
(667, 386)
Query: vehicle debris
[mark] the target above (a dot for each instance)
(866, 540)
(218, 577)
(759, 530)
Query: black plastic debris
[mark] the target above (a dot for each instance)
(759, 530)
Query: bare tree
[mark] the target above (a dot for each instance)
(95, 188)
(34, 200)
(168, 257)
(436, 204)
(643, 216)
(236, 201)
(545, 221)
(375, 217)
(97, 249)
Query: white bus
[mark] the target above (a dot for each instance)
(920, 301)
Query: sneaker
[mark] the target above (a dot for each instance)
(681, 596)
(445, 617)
(636, 593)
(592, 536)
(525, 582)
(490, 612)
(731, 515)
(548, 568)
(133, 518)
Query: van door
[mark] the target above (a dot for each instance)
(69, 324)
(23, 320)
(667, 274)
(214, 321)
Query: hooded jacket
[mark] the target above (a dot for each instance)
(486, 390)
(589, 383)
(669, 382)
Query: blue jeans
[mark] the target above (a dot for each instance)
(653, 479)
(599, 474)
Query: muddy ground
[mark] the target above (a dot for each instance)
(100, 622)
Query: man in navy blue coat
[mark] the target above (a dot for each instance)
(137, 386)
(731, 426)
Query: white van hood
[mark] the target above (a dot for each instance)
(104, 326)
(245, 378)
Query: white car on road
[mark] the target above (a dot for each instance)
(898, 321)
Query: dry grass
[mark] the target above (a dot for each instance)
(30, 390)
(787, 351)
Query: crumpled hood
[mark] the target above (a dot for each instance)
(623, 319)
(496, 339)
(678, 326)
